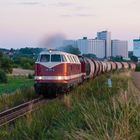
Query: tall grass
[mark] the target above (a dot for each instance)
(91, 111)
(20, 96)
(19, 89)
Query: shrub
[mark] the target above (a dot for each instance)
(138, 68)
(30, 76)
(6, 64)
(3, 77)
(26, 63)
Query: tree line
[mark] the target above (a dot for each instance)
(25, 58)
(5, 67)
(20, 58)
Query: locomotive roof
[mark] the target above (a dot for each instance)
(56, 52)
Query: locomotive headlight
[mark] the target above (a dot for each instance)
(59, 77)
(40, 78)
(50, 51)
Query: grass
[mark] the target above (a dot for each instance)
(15, 83)
(18, 90)
(20, 96)
(91, 111)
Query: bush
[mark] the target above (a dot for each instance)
(3, 77)
(6, 64)
(30, 76)
(138, 68)
(26, 63)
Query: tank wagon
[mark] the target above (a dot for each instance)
(57, 71)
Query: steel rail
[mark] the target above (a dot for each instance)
(14, 113)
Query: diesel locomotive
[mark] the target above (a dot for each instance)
(57, 71)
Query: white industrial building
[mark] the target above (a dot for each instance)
(102, 46)
(83, 45)
(136, 48)
(105, 35)
(92, 46)
(97, 47)
(120, 48)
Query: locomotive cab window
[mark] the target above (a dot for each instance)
(57, 58)
(45, 58)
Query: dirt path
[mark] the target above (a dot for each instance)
(136, 76)
(21, 72)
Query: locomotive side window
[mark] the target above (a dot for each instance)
(64, 59)
(74, 59)
(69, 58)
(77, 59)
(45, 58)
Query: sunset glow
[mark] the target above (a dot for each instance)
(23, 23)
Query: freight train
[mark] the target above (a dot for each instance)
(57, 71)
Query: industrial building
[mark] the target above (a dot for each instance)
(105, 35)
(92, 46)
(119, 48)
(136, 48)
(102, 46)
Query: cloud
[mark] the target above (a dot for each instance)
(64, 4)
(82, 8)
(134, 2)
(85, 15)
(66, 15)
(30, 3)
(78, 15)
(72, 6)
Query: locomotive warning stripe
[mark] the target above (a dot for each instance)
(58, 77)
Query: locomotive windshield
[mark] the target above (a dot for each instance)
(52, 58)
(55, 58)
(45, 58)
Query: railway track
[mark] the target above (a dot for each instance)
(14, 113)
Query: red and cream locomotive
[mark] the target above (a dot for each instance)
(55, 70)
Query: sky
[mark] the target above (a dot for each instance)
(25, 23)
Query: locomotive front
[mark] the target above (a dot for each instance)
(56, 71)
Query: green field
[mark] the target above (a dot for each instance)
(92, 111)
(15, 83)
(18, 90)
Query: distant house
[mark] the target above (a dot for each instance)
(11, 52)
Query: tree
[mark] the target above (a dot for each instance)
(1, 54)
(134, 58)
(117, 58)
(5, 63)
(26, 63)
(90, 55)
(3, 77)
(26, 52)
